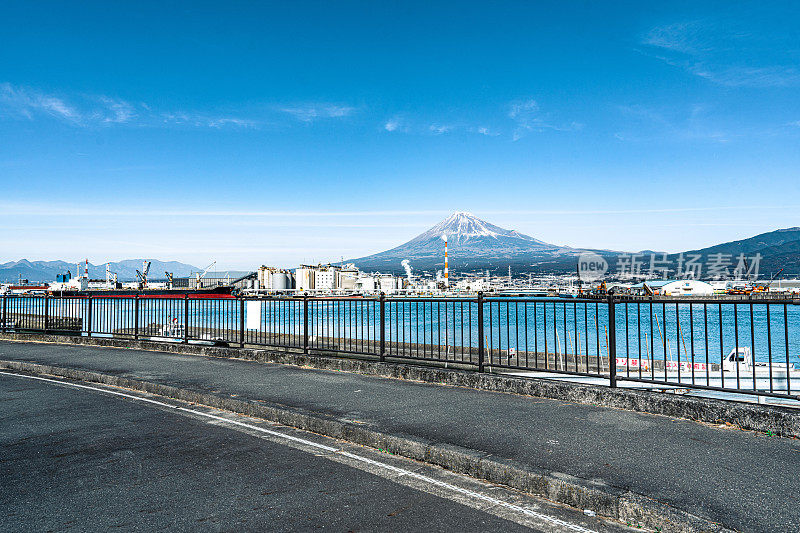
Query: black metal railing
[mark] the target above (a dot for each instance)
(722, 345)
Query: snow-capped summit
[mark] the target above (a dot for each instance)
(469, 239)
(461, 227)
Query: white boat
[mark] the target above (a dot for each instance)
(175, 333)
(738, 370)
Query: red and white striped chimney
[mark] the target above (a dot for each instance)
(446, 273)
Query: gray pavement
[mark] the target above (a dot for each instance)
(747, 481)
(80, 459)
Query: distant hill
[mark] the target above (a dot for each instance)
(771, 242)
(779, 249)
(37, 271)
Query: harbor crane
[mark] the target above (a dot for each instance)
(142, 276)
(169, 279)
(765, 286)
(111, 277)
(199, 276)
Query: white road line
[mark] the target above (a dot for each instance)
(391, 468)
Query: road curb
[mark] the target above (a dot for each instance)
(776, 420)
(604, 499)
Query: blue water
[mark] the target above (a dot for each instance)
(532, 325)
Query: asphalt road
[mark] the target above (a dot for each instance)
(81, 459)
(747, 481)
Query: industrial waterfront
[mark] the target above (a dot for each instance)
(482, 258)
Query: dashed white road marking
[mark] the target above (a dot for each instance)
(401, 471)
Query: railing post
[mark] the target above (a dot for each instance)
(612, 341)
(136, 316)
(241, 322)
(481, 347)
(305, 323)
(186, 318)
(5, 313)
(89, 317)
(46, 311)
(383, 327)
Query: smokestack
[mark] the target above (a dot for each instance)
(86, 270)
(446, 274)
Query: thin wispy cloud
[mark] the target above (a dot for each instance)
(487, 132)
(525, 116)
(418, 126)
(727, 51)
(119, 111)
(200, 120)
(24, 103)
(391, 125)
(18, 102)
(312, 112)
(29, 103)
(528, 117)
(439, 129)
(645, 123)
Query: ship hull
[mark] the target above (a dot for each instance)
(217, 292)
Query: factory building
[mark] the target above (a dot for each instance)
(274, 279)
(366, 284)
(347, 276)
(389, 284)
(344, 278)
(212, 280)
(472, 285)
(305, 278)
(326, 278)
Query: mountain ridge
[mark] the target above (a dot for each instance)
(46, 271)
(476, 245)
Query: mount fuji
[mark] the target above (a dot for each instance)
(474, 244)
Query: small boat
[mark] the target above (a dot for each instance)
(175, 333)
(737, 371)
(737, 366)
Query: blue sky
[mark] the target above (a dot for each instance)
(306, 131)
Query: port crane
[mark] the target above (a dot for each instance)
(765, 287)
(142, 276)
(199, 276)
(169, 279)
(755, 288)
(111, 277)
